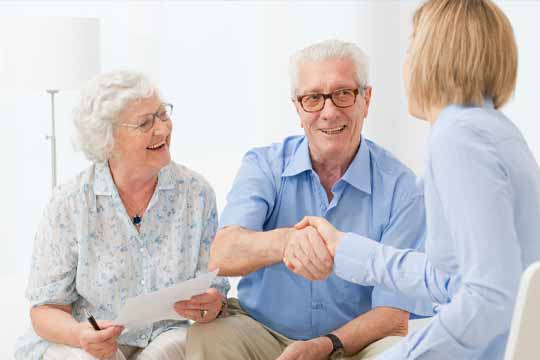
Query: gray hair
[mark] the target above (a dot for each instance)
(331, 49)
(102, 99)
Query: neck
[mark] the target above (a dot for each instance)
(432, 113)
(331, 169)
(130, 180)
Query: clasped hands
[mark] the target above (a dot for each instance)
(310, 248)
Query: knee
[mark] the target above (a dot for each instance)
(216, 332)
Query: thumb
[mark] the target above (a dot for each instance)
(303, 223)
(108, 324)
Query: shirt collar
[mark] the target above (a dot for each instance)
(358, 173)
(447, 114)
(300, 161)
(104, 185)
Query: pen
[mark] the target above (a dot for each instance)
(91, 320)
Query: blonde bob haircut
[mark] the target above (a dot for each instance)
(461, 52)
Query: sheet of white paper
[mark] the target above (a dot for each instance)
(145, 309)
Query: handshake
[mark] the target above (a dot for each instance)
(310, 248)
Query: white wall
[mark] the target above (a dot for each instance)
(240, 51)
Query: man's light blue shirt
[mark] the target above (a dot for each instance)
(276, 187)
(482, 191)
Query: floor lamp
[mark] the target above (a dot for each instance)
(49, 54)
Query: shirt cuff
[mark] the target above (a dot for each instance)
(355, 256)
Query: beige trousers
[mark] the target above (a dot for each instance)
(169, 345)
(240, 337)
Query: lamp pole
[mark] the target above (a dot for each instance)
(52, 138)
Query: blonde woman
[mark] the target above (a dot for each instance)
(482, 189)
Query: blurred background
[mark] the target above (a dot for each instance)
(224, 66)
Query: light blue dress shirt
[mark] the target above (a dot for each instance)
(87, 252)
(482, 191)
(276, 187)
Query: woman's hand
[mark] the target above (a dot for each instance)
(201, 308)
(326, 230)
(100, 344)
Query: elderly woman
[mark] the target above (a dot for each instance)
(132, 223)
(482, 189)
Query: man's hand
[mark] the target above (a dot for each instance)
(306, 254)
(201, 308)
(100, 344)
(314, 349)
(327, 231)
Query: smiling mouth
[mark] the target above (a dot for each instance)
(157, 146)
(334, 131)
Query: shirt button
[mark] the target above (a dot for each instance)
(141, 250)
(143, 336)
(142, 282)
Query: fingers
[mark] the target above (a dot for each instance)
(302, 224)
(198, 315)
(102, 343)
(322, 258)
(101, 336)
(209, 297)
(306, 254)
(310, 259)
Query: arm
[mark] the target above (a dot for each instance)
(241, 246)
(355, 335)
(371, 326)
(471, 181)
(477, 199)
(51, 287)
(68, 331)
(237, 251)
(65, 329)
(205, 307)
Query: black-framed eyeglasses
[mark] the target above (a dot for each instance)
(146, 122)
(341, 98)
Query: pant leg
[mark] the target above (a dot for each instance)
(169, 345)
(234, 337)
(63, 352)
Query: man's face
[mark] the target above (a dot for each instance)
(332, 132)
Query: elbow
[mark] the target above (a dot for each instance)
(33, 320)
(218, 252)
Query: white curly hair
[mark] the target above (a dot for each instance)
(102, 99)
(330, 49)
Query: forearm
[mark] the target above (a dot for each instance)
(367, 262)
(372, 326)
(55, 323)
(237, 251)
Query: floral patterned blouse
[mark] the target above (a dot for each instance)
(87, 252)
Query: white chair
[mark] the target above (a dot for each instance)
(523, 341)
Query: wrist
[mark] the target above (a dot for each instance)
(284, 237)
(324, 344)
(334, 245)
(76, 334)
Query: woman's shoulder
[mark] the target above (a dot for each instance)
(69, 196)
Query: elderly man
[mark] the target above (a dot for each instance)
(332, 172)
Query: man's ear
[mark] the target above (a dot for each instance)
(296, 105)
(367, 97)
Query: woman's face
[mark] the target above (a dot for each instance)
(146, 151)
